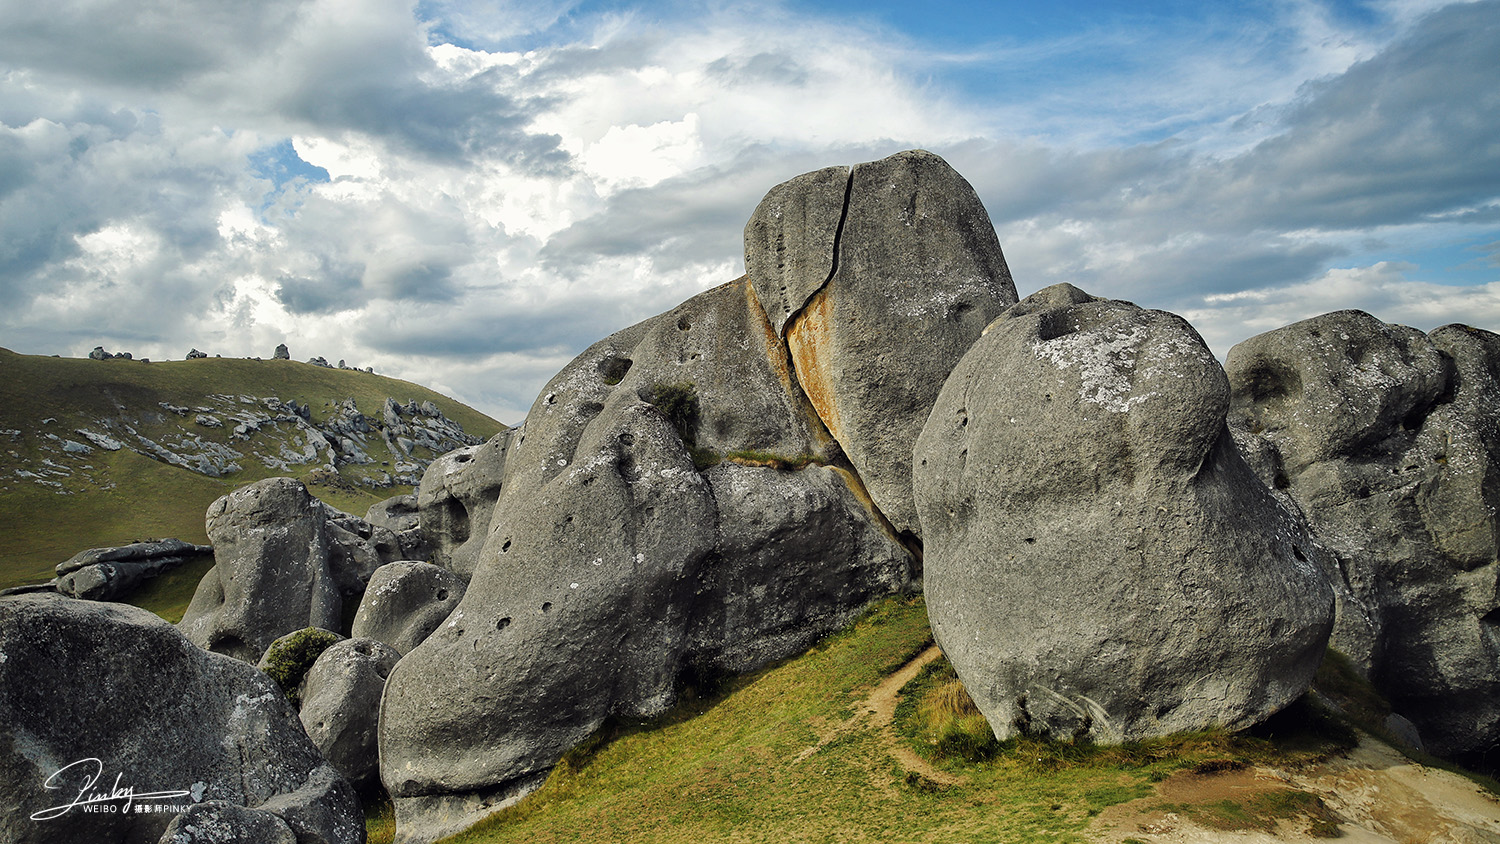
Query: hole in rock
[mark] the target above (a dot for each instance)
(683, 324)
(612, 369)
(547, 606)
(505, 547)
(502, 623)
(1297, 552)
(463, 458)
(442, 594)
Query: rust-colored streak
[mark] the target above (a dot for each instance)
(780, 360)
(808, 338)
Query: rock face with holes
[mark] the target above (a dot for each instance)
(82, 680)
(456, 500)
(616, 567)
(1101, 563)
(1389, 440)
(913, 256)
(706, 491)
(405, 602)
(341, 702)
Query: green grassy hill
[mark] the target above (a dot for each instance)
(97, 453)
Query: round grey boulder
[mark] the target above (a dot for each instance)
(341, 704)
(1101, 563)
(405, 602)
(97, 691)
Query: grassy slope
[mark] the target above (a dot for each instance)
(149, 499)
(726, 769)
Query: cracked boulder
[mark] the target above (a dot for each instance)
(1101, 563)
(629, 553)
(111, 693)
(879, 277)
(1389, 440)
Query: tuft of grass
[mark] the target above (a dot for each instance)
(679, 404)
(936, 712)
(752, 457)
(380, 819)
(290, 658)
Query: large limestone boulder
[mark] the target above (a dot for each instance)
(1389, 440)
(271, 574)
(456, 500)
(1100, 561)
(405, 602)
(341, 703)
(96, 691)
(619, 560)
(913, 274)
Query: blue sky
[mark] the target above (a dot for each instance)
(466, 194)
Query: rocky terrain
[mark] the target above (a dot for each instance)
(1118, 538)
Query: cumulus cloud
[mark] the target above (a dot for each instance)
(466, 193)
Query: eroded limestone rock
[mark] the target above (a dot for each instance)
(1100, 561)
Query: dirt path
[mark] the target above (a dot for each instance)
(878, 711)
(1381, 796)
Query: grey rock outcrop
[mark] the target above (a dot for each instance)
(405, 602)
(271, 574)
(216, 822)
(281, 353)
(914, 275)
(341, 702)
(1100, 560)
(396, 514)
(456, 500)
(106, 574)
(143, 703)
(194, 354)
(400, 515)
(1389, 440)
(612, 566)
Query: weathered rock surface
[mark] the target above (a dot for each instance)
(216, 822)
(456, 500)
(106, 574)
(916, 276)
(1100, 561)
(396, 514)
(1389, 440)
(341, 703)
(272, 573)
(84, 681)
(613, 567)
(405, 602)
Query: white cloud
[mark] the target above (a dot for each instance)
(498, 202)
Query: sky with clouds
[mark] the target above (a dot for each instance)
(467, 193)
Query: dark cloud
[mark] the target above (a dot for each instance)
(155, 44)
